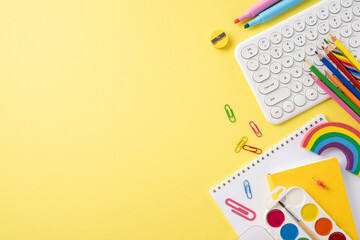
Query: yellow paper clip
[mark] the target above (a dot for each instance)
(252, 149)
(241, 144)
(230, 113)
(255, 129)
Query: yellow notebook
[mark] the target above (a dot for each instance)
(333, 200)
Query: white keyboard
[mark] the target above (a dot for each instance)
(272, 60)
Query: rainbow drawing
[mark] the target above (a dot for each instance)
(335, 135)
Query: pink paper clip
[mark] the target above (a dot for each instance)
(255, 129)
(252, 149)
(241, 210)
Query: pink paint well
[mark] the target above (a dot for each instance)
(275, 218)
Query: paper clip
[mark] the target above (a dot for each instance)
(229, 113)
(241, 144)
(252, 149)
(255, 129)
(247, 189)
(241, 210)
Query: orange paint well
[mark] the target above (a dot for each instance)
(323, 226)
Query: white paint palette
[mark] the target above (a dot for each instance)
(282, 225)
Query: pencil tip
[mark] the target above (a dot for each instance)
(323, 47)
(330, 35)
(326, 41)
(316, 52)
(246, 26)
(310, 74)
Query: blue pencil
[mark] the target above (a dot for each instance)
(341, 77)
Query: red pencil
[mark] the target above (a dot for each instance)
(342, 68)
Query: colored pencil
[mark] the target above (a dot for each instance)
(334, 89)
(336, 98)
(345, 62)
(342, 68)
(345, 52)
(346, 91)
(338, 75)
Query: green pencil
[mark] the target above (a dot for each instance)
(333, 88)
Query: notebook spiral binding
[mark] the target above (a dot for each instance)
(320, 118)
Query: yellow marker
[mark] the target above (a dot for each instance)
(219, 39)
(345, 52)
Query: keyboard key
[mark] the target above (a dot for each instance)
(346, 31)
(305, 67)
(249, 51)
(299, 100)
(277, 96)
(299, 25)
(347, 16)
(321, 43)
(299, 40)
(284, 78)
(354, 42)
(253, 64)
(323, 28)
(311, 34)
(275, 37)
(356, 10)
(310, 49)
(296, 86)
(264, 58)
(311, 94)
(346, 3)
(322, 13)
(296, 72)
(288, 46)
(335, 22)
(287, 31)
(334, 7)
(356, 55)
(299, 55)
(261, 75)
(276, 112)
(356, 25)
(317, 61)
(276, 52)
(310, 19)
(275, 67)
(268, 86)
(321, 91)
(308, 81)
(287, 61)
(288, 106)
(264, 44)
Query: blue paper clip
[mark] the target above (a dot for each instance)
(247, 189)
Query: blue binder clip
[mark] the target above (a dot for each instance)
(247, 189)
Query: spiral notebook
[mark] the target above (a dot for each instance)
(244, 213)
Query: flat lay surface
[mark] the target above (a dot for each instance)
(113, 123)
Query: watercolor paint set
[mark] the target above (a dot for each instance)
(294, 215)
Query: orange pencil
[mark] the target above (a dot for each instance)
(344, 89)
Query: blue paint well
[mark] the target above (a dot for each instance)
(289, 232)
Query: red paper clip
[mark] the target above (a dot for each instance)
(255, 129)
(252, 149)
(241, 210)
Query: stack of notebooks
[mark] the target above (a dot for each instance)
(289, 165)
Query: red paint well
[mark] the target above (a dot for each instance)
(275, 218)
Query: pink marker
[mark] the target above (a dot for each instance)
(256, 9)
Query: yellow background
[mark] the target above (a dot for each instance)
(112, 119)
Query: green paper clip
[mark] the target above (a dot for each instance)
(229, 113)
